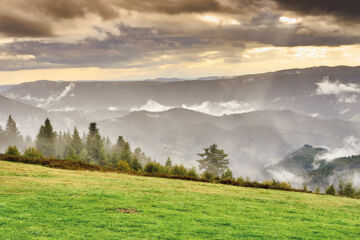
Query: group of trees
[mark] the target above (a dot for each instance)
(91, 147)
(94, 148)
(344, 189)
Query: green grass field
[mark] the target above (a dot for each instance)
(43, 203)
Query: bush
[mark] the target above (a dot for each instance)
(12, 151)
(275, 184)
(192, 173)
(209, 176)
(32, 153)
(331, 190)
(178, 170)
(228, 175)
(154, 168)
(349, 190)
(55, 163)
(124, 166)
(135, 164)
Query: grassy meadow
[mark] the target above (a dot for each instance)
(43, 203)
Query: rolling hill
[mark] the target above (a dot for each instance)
(43, 203)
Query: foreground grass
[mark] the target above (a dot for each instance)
(43, 203)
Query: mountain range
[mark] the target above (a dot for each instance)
(257, 119)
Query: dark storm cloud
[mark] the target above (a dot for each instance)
(171, 30)
(188, 6)
(135, 45)
(20, 27)
(344, 9)
(42, 13)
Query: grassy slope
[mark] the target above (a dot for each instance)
(43, 203)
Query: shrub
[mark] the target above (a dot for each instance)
(349, 190)
(135, 164)
(124, 166)
(32, 153)
(178, 170)
(228, 175)
(317, 190)
(209, 176)
(12, 151)
(153, 168)
(275, 184)
(331, 190)
(192, 173)
(240, 181)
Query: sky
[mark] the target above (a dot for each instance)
(145, 39)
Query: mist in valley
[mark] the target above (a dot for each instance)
(258, 122)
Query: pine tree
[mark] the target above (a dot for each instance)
(135, 164)
(126, 153)
(74, 146)
(331, 190)
(168, 163)
(12, 133)
(45, 142)
(143, 159)
(213, 160)
(32, 153)
(95, 145)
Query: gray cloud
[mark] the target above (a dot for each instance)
(20, 27)
(177, 30)
(345, 9)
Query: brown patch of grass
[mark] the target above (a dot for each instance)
(123, 210)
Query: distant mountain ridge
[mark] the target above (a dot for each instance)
(253, 140)
(294, 89)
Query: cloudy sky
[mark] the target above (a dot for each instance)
(142, 39)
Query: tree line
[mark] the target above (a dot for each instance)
(93, 148)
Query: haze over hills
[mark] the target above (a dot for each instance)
(253, 140)
(318, 166)
(328, 92)
(257, 119)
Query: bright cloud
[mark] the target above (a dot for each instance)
(211, 108)
(344, 92)
(351, 146)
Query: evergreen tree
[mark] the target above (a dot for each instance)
(228, 175)
(62, 142)
(331, 190)
(168, 163)
(74, 146)
(45, 142)
(143, 159)
(126, 153)
(213, 160)
(32, 153)
(135, 164)
(95, 145)
(12, 134)
(116, 151)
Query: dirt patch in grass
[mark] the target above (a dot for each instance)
(123, 210)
